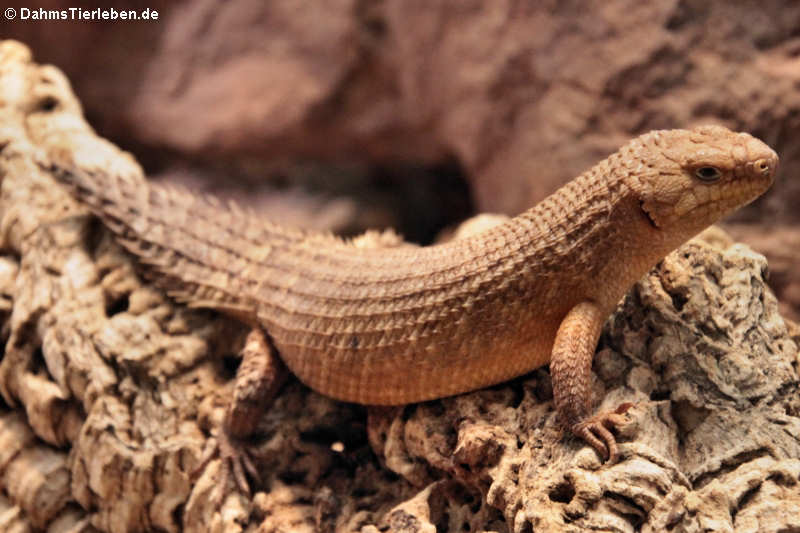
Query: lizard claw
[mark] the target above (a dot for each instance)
(237, 462)
(596, 431)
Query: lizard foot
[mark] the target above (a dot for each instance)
(258, 379)
(596, 431)
(237, 461)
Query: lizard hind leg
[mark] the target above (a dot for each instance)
(570, 370)
(260, 376)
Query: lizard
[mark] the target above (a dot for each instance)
(403, 324)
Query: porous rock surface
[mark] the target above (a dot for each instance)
(108, 393)
(781, 244)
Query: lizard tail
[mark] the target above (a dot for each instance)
(188, 244)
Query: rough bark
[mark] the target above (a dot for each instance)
(109, 392)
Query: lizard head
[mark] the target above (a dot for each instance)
(689, 179)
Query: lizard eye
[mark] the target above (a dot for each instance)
(708, 174)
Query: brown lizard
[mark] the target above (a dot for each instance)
(406, 324)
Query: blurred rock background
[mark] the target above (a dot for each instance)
(348, 114)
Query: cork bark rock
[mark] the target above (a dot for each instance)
(781, 245)
(109, 391)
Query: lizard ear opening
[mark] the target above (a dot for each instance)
(648, 215)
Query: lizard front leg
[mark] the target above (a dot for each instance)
(260, 376)
(570, 370)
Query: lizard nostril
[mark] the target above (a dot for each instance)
(762, 166)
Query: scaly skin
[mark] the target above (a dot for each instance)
(392, 325)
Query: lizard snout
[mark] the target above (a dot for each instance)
(763, 159)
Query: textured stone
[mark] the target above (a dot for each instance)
(781, 245)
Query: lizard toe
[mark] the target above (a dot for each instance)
(597, 431)
(237, 463)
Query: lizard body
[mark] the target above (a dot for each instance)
(393, 325)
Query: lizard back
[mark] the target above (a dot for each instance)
(391, 325)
